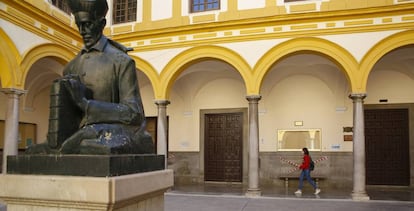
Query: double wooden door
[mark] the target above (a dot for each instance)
(387, 147)
(223, 147)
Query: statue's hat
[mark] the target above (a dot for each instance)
(96, 7)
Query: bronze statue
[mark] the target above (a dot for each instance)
(96, 106)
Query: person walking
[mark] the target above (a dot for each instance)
(306, 173)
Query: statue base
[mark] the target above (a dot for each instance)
(142, 191)
(84, 165)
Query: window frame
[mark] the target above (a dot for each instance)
(126, 10)
(205, 4)
(61, 5)
(289, 1)
(317, 139)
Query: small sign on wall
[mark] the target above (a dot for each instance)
(348, 137)
(298, 123)
(335, 146)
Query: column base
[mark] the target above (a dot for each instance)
(253, 193)
(360, 196)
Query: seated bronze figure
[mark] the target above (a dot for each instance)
(96, 106)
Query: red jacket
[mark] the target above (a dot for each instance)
(306, 162)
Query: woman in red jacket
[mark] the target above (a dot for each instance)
(306, 172)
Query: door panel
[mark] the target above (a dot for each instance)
(223, 147)
(387, 147)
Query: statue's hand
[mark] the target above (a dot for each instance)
(76, 90)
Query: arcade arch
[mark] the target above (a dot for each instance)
(180, 63)
(380, 50)
(338, 55)
(9, 61)
(388, 114)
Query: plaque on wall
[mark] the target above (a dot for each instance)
(348, 137)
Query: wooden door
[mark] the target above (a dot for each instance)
(152, 129)
(223, 140)
(387, 147)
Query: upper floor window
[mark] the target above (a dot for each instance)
(124, 11)
(61, 4)
(204, 5)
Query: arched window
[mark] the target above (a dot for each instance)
(124, 11)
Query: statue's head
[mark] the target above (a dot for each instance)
(90, 19)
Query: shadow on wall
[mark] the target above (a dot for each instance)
(186, 166)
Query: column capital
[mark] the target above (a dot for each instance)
(253, 97)
(13, 91)
(357, 96)
(162, 102)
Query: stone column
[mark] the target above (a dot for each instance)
(162, 129)
(11, 129)
(253, 189)
(359, 192)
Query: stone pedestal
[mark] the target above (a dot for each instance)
(84, 165)
(141, 191)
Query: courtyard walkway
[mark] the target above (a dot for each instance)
(218, 197)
